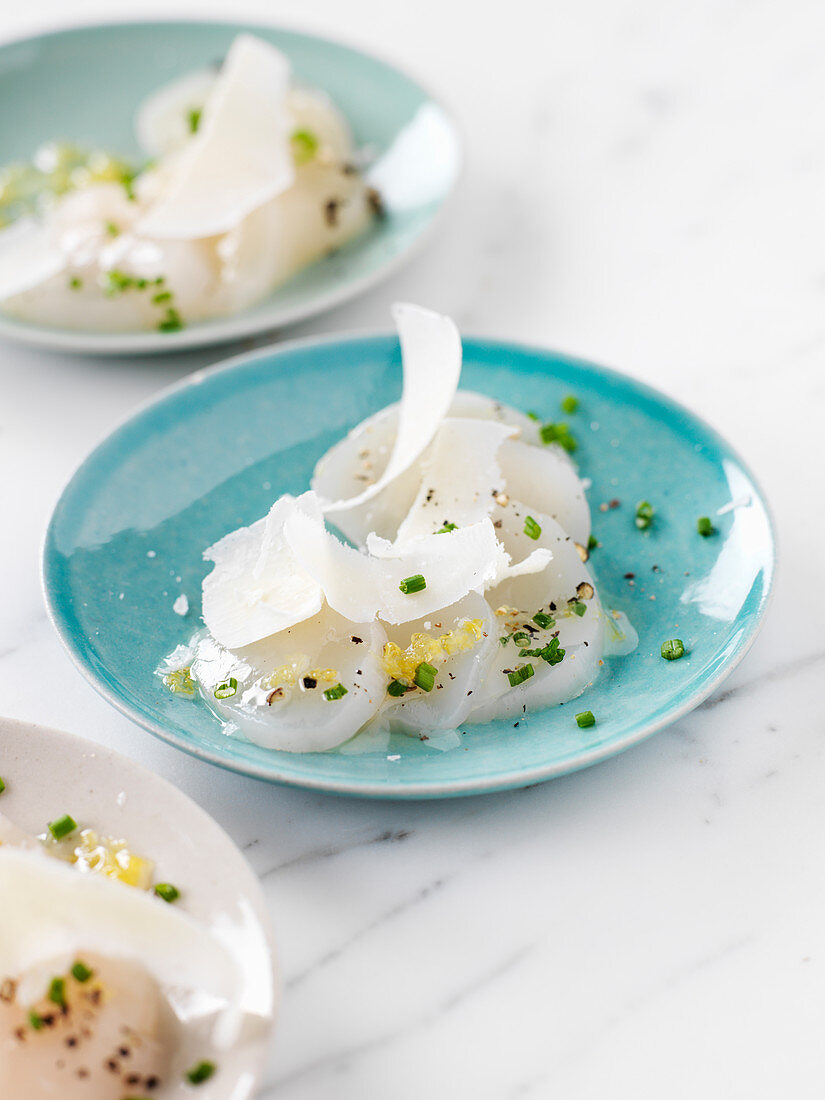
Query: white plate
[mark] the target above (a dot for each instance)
(48, 773)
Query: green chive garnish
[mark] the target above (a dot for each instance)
(705, 527)
(167, 891)
(81, 972)
(412, 584)
(585, 719)
(35, 1020)
(533, 415)
(62, 826)
(531, 529)
(396, 688)
(425, 676)
(644, 514)
(558, 433)
(75, 283)
(200, 1073)
(592, 542)
(445, 530)
(578, 607)
(304, 146)
(2, 785)
(673, 649)
(112, 229)
(522, 673)
(543, 620)
(227, 689)
(194, 119)
(57, 992)
(550, 653)
(337, 692)
(161, 297)
(172, 321)
(521, 637)
(570, 404)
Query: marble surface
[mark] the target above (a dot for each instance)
(645, 187)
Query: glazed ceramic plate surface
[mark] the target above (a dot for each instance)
(213, 453)
(85, 84)
(48, 773)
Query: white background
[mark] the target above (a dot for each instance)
(645, 187)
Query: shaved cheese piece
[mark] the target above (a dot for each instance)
(431, 358)
(27, 257)
(460, 477)
(258, 586)
(241, 155)
(58, 911)
(163, 121)
(365, 586)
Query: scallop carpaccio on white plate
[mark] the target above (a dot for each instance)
(462, 595)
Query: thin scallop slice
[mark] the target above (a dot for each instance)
(459, 643)
(431, 358)
(564, 583)
(363, 586)
(164, 121)
(460, 477)
(183, 957)
(480, 406)
(546, 480)
(241, 156)
(278, 685)
(258, 586)
(28, 257)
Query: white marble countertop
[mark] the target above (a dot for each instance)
(645, 187)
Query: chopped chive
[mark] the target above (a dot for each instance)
(519, 675)
(543, 620)
(193, 118)
(569, 404)
(81, 972)
(531, 529)
(172, 321)
(584, 719)
(592, 542)
(35, 1020)
(112, 229)
(578, 607)
(395, 688)
(304, 146)
(160, 280)
(227, 689)
(116, 282)
(167, 891)
(2, 785)
(521, 637)
(644, 514)
(425, 676)
(75, 283)
(141, 284)
(337, 692)
(673, 649)
(445, 530)
(550, 653)
(62, 826)
(504, 639)
(558, 433)
(533, 415)
(162, 296)
(200, 1073)
(409, 585)
(705, 527)
(57, 992)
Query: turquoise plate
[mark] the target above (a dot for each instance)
(84, 84)
(212, 453)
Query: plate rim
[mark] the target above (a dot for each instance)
(417, 789)
(235, 326)
(256, 1064)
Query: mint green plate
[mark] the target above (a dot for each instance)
(85, 83)
(212, 453)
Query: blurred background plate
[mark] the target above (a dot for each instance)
(211, 454)
(48, 773)
(84, 84)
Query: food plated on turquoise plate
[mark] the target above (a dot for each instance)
(230, 180)
(136, 959)
(408, 600)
